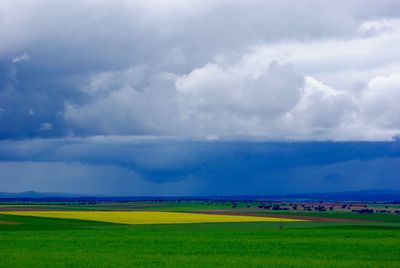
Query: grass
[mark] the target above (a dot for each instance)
(56, 242)
(198, 245)
(385, 217)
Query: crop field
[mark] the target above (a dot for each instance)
(146, 217)
(202, 235)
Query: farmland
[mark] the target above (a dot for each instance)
(146, 217)
(31, 239)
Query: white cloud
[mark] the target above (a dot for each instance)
(317, 114)
(23, 57)
(270, 101)
(212, 100)
(339, 62)
(46, 126)
(231, 101)
(380, 102)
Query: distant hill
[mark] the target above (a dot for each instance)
(33, 194)
(368, 195)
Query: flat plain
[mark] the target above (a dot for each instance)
(35, 241)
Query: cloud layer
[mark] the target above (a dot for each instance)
(205, 68)
(150, 166)
(165, 97)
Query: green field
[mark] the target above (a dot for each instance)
(382, 217)
(46, 242)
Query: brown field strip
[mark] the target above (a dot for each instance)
(282, 216)
(9, 223)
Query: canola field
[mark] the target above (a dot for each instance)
(146, 217)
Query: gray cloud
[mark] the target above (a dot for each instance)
(75, 177)
(171, 166)
(350, 175)
(209, 100)
(202, 68)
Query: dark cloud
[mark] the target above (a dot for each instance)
(170, 166)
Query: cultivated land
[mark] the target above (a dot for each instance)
(337, 238)
(147, 217)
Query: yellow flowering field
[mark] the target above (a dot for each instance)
(144, 217)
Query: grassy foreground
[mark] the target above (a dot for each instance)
(45, 242)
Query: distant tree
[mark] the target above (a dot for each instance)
(276, 207)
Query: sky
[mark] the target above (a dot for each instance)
(199, 97)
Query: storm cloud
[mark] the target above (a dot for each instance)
(223, 68)
(170, 166)
(147, 95)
